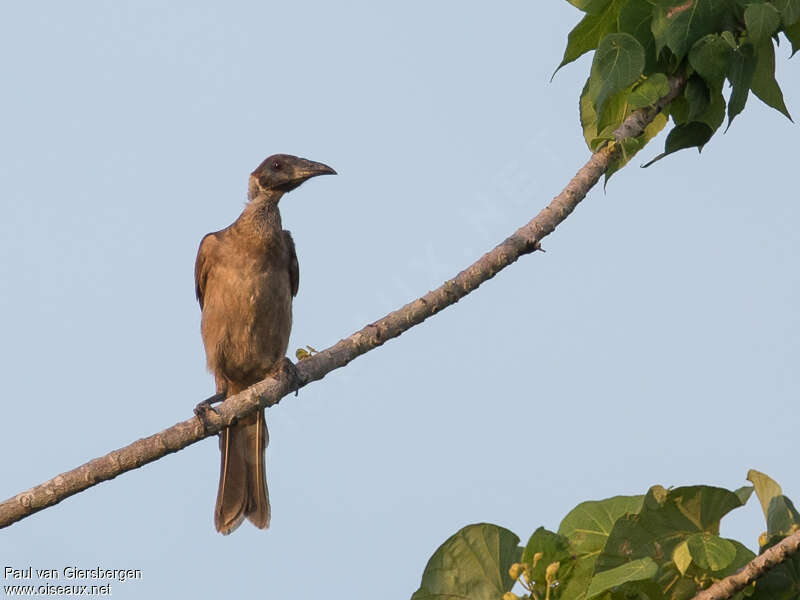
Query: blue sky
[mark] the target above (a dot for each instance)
(655, 342)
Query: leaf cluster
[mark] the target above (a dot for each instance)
(663, 545)
(640, 44)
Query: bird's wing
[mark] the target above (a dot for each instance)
(294, 267)
(202, 265)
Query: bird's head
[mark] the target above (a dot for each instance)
(283, 173)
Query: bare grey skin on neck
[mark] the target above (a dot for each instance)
(246, 276)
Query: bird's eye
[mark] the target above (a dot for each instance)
(276, 165)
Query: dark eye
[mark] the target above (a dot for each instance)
(276, 165)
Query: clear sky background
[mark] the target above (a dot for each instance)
(656, 342)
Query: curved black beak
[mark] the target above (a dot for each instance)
(305, 169)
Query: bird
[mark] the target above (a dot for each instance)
(246, 276)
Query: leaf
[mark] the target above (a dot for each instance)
(766, 488)
(635, 18)
(592, 7)
(682, 557)
(680, 26)
(697, 96)
(636, 570)
(689, 135)
(789, 9)
(792, 33)
(649, 91)
(762, 20)
(743, 556)
(741, 73)
(710, 551)
(782, 517)
(729, 39)
(598, 129)
(588, 115)
(764, 84)
(587, 527)
(667, 518)
(710, 56)
(551, 547)
(618, 62)
(587, 34)
(614, 112)
(473, 564)
(714, 115)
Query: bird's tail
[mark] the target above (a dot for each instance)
(242, 478)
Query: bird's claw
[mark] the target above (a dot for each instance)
(288, 369)
(202, 409)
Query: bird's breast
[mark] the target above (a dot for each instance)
(247, 317)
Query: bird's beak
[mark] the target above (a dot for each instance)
(305, 169)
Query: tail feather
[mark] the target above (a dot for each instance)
(242, 481)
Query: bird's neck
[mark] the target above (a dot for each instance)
(261, 216)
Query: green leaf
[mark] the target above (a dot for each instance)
(680, 26)
(667, 518)
(697, 96)
(588, 115)
(618, 62)
(743, 556)
(649, 91)
(636, 570)
(782, 517)
(587, 527)
(710, 56)
(766, 488)
(792, 33)
(714, 114)
(592, 7)
(551, 548)
(789, 9)
(744, 493)
(729, 39)
(635, 18)
(710, 551)
(473, 564)
(762, 20)
(546, 542)
(614, 112)
(682, 557)
(764, 84)
(687, 135)
(741, 73)
(691, 135)
(587, 34)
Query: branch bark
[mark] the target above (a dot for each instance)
(269, 391)
(726, 588)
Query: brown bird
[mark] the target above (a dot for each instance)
(245, 278)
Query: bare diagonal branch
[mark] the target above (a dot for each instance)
(269, 391)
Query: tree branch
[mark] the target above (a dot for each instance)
(726, 588)
(269, 391)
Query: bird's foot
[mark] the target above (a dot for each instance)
(286, 368)
(202, 409)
